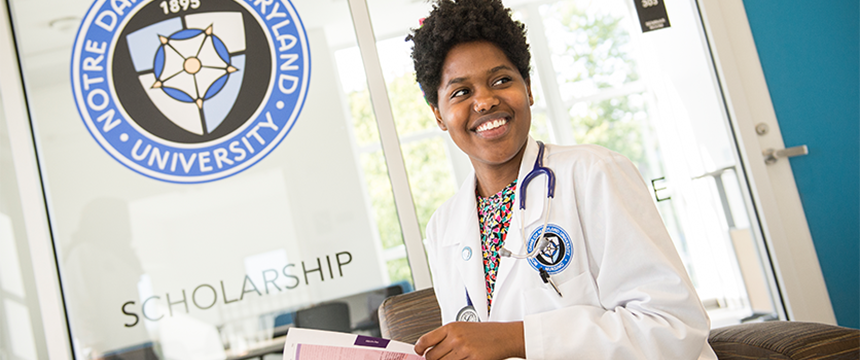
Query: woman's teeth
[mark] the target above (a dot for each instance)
(491, 125)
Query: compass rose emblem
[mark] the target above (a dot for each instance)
(192, 66)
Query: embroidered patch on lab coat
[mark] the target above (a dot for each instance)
(556, 256)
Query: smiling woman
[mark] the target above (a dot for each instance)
(602, 277)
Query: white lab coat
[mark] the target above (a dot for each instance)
(626, 293)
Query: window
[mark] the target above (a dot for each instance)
(424, 146)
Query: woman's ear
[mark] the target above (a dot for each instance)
(438, 117)
(529, 89)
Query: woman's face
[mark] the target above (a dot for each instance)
(484, 103)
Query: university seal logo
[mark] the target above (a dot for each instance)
(190, 91)
(556, 256)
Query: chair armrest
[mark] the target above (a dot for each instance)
(406, 317)
(792, 340)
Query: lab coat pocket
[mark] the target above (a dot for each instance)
(575, 290)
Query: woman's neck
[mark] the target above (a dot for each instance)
(494, 178)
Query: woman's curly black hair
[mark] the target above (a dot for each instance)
(454, 22)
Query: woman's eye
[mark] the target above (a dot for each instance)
(460, 92)
(502, 81)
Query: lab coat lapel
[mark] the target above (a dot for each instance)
(534, 209)
(464, 232)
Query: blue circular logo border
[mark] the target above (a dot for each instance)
(167, 161)
(565, 239)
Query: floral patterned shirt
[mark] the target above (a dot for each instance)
(494, 219)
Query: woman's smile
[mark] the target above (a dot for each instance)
(493, 126)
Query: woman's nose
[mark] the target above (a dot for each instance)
(484, 100)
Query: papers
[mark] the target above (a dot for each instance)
(307, 344)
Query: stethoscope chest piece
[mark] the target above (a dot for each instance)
(467, 253)
(468, 314)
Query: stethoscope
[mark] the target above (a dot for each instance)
(468, 313)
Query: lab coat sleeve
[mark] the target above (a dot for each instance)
(430, 242)
(649, 308)
(431, 247)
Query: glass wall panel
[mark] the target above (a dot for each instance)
(212, 196)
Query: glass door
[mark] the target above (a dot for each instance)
(653, 97)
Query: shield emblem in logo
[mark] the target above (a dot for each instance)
(191, 67)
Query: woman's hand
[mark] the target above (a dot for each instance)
(467, 340)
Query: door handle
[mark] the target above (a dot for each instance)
(771, 155)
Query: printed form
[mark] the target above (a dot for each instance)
(307, 344)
